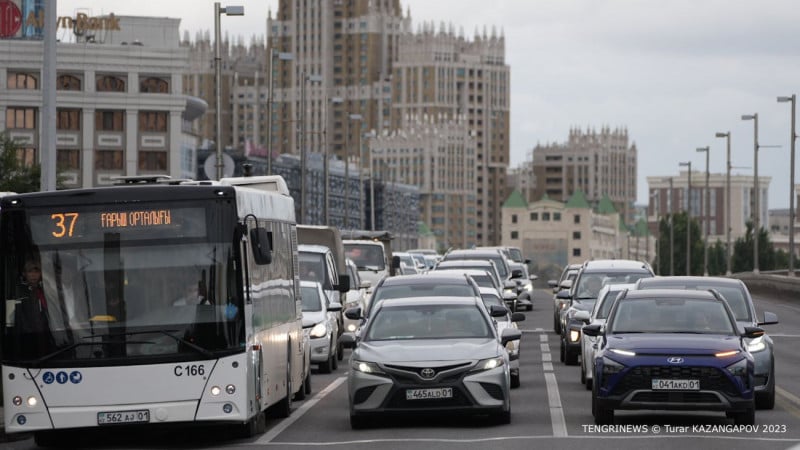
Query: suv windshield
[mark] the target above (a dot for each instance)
(366, 256)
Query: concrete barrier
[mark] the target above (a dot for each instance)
(777, 283)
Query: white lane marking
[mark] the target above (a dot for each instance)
(526, 438)
(285, 423)
(785, 335)
(543, 338)
(787, 394)
(548, 367)
(545, 347)
(556, 411)
(546, 357)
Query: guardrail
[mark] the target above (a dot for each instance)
(773, 283)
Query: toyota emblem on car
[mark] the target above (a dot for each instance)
(427, 373)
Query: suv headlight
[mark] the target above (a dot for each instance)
(611, 367)
(574, 335)
(489, 364)
(366, 367)
(756, 345)
(739, 368)
(319, 330)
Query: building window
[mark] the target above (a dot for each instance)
(22, 81)
(109, 83)
(26, 156)
(108, 160)
(577, 218)
(515, 235)
(576, 252)
(556, 217)
(109, 121)
(513, 218)
(534, 217)
(68, 119)
(68, 159)
(21, 118)
(153, 121)
(546, 216)
(154, 85)
(68, 83)
(153, 161)
(576, 235)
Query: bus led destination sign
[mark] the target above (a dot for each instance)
(124, 219)
(82, 225)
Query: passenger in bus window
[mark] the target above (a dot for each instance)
(190, 295)
(31, 311)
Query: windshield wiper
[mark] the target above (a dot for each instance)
(189, 344)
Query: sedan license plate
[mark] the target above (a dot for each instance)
(138, 416)
(428, 394)
(675, 385)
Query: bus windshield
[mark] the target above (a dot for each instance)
(166, 294)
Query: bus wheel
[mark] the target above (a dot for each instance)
(50, 439)
(284, 407)
(255, 426)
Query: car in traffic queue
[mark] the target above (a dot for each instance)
(506, 290)
(672, 350)
(737, 295)
(598, 315)
(356, 296)
(563, 283)
(493, 254)
(509, 320)
(432, 284)
(321, 327)
(524, 285)
(430, 356)
(592, 276)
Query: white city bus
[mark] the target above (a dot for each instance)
(158, 304)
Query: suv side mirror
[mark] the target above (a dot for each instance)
(498, 311)
(563, 295)
(592, 330)
(769, 319)
(753, 332)
(510, 334)
(517, 317)
(582, 316)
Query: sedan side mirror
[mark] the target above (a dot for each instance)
(344, 283)
(769, 319)
(563, 295)
(552, 283)
(510, 334)
(498, 311)
(353, 313)
(517, 317)
(516, 273)
(582, 316)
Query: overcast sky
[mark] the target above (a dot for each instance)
(672, 72)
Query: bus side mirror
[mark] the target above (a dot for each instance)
(344, 283)
(261, 244)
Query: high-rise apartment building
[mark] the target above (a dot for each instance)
(597, 163)
(442, 74)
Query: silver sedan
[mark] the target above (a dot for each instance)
(430, 355)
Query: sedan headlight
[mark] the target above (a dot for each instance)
(611, 367)
(489, 363)
(756, 345)
(366, 367)
(529, 287)
(319, 330)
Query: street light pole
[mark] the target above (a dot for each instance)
(671, 232)
(302, 142)
(350, 118)
(727, 137)
(792, 194)
(688, 218)
(706, 221)
(281, 56)
(371, 183)
(228, 11)
(756, 194)
(656, 208)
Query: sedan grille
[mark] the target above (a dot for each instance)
(711, 378)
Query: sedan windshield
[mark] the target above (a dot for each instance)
(311, 300)
(428, 322)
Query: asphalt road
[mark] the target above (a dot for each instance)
(550, 410)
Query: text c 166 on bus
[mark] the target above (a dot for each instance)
(190, 370)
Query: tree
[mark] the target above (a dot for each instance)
(743, 252)
(16, 177)
(679, 245)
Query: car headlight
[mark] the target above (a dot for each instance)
(510, 291)
(574, 335)
(529, 287)
(756, 345)
(611, 367)
(319, 330)
(621, 352)
(739, 368)
(489, 363)
(562, 305)
(366, 367)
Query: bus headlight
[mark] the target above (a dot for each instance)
(32, 401)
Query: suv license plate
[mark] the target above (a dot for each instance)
(675, 385)
(428, 394)
(109, 418)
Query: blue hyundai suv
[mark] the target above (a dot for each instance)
(672, 350)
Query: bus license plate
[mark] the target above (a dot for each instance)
(428, 394)
(675, 385)
(108, 418)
